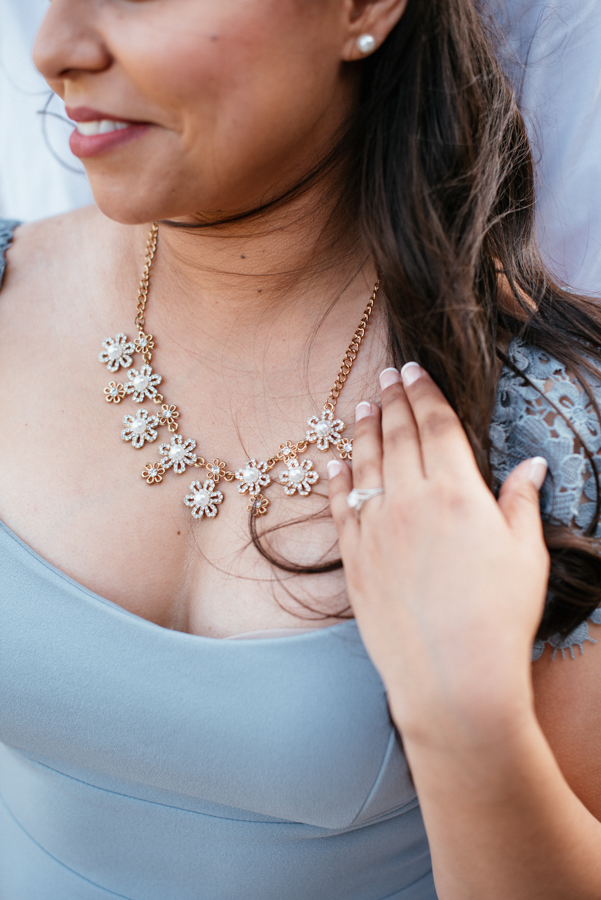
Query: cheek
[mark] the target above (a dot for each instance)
(229, 85)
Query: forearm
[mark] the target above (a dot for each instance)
(448, 586)
(501, 820)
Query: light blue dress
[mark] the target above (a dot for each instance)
(148, 764)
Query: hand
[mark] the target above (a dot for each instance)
(447, 584)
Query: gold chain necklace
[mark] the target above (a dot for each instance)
(297, 477)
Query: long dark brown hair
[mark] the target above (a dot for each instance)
(446, 188)
(439, 174)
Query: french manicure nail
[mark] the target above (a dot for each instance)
(363, 409)
(410, 372)
(389, 376)
(538, 471)
(334, 467)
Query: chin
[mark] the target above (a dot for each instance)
(132, 205)
(137, 198)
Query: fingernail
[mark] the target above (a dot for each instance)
(389, 376)
(410, 372)
(335, 467)
(538, 471)
(363, 409)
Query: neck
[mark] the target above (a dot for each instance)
(296, 259)
(278, 293)
(252, 319)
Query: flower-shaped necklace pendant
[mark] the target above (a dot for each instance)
(140, 428)
(324, 430)
(142, 384)
(179, 454)
(253, 477)
(299, 477)
(203, 500)
(116, 352)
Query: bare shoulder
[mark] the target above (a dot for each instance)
(61, 243)
(39, 246)
(63, 263)
(567, 693)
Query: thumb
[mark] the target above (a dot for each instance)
(519, 495)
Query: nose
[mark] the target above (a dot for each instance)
(69, 42)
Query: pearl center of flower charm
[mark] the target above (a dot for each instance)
(141, 382)
(138, 426)
(202, 497)
(177, 452)
(296, 474)
(322, 428)
(114, 352)
(250, 474)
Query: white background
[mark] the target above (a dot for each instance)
(33, 183)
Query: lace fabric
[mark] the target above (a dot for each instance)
(7, 228)
(529, 419)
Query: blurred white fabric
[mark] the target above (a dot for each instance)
(34, 183)
(556, 69)
(555, 63)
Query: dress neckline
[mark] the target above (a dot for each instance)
(254, 636)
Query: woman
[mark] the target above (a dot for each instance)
(311, 165)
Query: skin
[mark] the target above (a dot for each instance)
(252, 320)
(448, 586)
(251, 323)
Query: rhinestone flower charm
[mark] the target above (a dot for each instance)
(203, 501)
(153, 473)
(217, 470)
(142, 384)
(139, 428)
(345, 448)
(144, 343)
(258, 505)
(324, 429)
(253, 477)
(116, 352)
(178, 453)
(298, 477)
(114, 393)
(168, 415)
(287, 451)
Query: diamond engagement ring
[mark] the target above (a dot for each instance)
(358, 496)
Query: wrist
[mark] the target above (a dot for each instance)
(476, 717)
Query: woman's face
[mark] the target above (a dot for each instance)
(228, 101)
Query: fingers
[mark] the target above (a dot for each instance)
(444, 444)
(367, 446)
(519, 500)
(340, 485)
(402, 453)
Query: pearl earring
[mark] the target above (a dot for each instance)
(366, 43)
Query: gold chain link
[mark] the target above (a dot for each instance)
(330, 405)
(151, 247)
(351, 354)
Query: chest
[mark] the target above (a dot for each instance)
(73, 489)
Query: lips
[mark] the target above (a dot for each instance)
(96, 133)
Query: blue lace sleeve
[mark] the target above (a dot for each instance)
(529, 421)
(7, 229)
